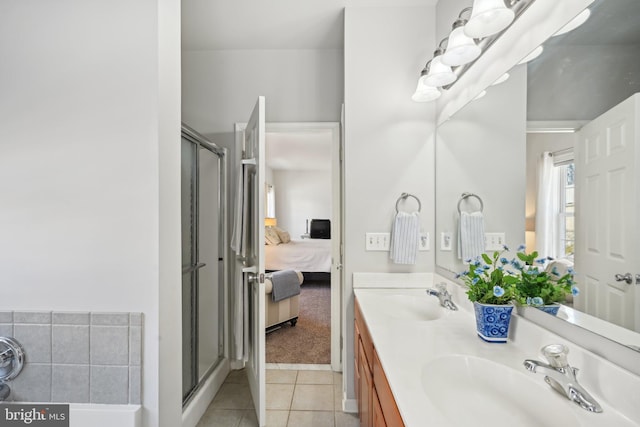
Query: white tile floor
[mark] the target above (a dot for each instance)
(297, 396)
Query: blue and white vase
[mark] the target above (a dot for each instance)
(550, 308)
(492, 321)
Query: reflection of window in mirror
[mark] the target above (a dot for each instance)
(555, 206)
(270, 201)
(566, 209)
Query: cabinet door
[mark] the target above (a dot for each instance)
(385, 396)
(366, 389)
(377, 415)
(356, 350)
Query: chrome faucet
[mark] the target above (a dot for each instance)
(562, 377)
(443, 295)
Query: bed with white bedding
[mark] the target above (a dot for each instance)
(306, 255)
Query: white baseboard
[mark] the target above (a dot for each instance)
(349, 405)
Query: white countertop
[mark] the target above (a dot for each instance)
(406, 347)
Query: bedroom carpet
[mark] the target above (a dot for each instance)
(310, 340)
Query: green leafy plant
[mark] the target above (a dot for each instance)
(537, 285)
(488, 280)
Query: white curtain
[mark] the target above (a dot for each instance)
(547, 206)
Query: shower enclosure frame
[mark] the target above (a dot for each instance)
(197, 378)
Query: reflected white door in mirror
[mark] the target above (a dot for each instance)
(608, 195)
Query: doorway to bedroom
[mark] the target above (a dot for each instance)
(303, 191)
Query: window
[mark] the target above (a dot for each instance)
(566, 210)
(270, 201)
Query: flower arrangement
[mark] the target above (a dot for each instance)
(536, 285)
(488, 280)
(497, 280)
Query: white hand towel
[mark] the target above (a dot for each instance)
(405, 238)
(471, 243)
(241, 214)
(238, 213)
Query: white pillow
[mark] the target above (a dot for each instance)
(283, 235)
(271, 236)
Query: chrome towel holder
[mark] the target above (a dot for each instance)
(404, 196)
(466, 196)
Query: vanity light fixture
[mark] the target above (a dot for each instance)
(425, 93)
(488, 17)
(533, 55)
(580, 19)
(439, 74)
(461, 49)
(468, 39)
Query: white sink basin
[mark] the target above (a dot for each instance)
(471, 391)
(418, 307)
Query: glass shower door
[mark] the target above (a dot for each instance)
(202, 262)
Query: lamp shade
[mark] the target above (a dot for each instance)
(480, 95)
(461, 49)
(488, 17)
(533, 55)
(574, 23)
(425, 93)
(503, 78)
(270, 222)
(439, 73)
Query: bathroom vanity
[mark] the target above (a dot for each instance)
(376, 405)
(420, 364)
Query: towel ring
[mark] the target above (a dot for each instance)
(467, 195)
(404, 196)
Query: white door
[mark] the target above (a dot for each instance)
(607, 215)
(253, 156)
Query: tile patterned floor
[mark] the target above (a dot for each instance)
(295, 398)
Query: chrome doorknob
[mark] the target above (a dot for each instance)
(624, 278)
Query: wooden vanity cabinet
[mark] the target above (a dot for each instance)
(376, 405)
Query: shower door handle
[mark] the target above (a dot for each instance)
(191, 268)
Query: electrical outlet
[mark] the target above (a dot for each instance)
(424, 242)
(378, 241)
(446, 241)
(494, 241)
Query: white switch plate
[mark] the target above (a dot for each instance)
(378, 241)
(424, 242)
(446, 241)
(494, 241)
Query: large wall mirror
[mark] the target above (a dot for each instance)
(573, 104)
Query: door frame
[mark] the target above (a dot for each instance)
(337, 272)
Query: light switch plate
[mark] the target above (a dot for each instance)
(494, 241)
(378, 241)
(425, 244)
(446, 241)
